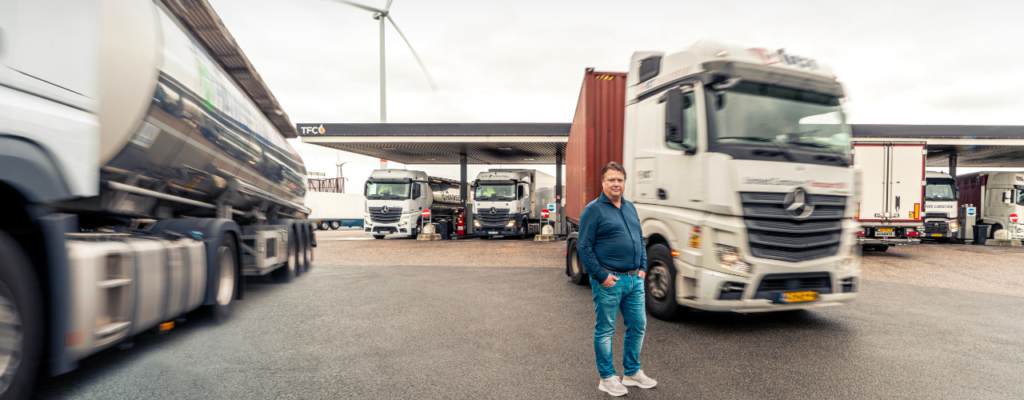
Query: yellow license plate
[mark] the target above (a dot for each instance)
(936, 235)
(885, 230)
(798, 297)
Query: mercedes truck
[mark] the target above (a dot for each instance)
(508, 202)
(940, 207)
(893, 187)
(138, 181)
(396, 198)
(999, 199)
(738, 162)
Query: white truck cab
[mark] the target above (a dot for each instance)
(508, 202)
(999, 198)
(940, 207)
(396, 198)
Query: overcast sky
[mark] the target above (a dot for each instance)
(902, 62)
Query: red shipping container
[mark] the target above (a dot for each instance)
(970, 187)
(595, 138)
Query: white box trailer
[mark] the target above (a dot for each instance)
(335, 210)
(892, 192)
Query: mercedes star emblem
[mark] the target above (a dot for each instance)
(384, 210)
(494, 211)
(798, 204)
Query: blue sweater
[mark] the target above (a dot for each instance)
(610, 237)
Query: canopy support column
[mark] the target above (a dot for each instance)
(952, 164)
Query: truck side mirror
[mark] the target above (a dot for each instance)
(674, 116)
(416, 192)
(1008, 197)
(521, 191)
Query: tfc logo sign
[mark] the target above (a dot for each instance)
(312, 130)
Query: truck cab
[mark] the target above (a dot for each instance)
(394, 202)
(940, 207)
(999, 198)
(508, 202)
(738, 162)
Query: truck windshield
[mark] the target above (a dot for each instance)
(940, 192)
(754, 113)
(387, 190)
(1020, 197)
(495, 192)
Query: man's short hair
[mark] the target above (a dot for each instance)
(613, 166)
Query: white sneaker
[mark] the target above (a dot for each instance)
(612, 386)
(640, 379)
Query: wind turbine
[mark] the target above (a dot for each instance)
(380, 15)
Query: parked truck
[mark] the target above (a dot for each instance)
(335, 210)
(737, 160)
(508, 202)
(137, 182)
(396, 198)
(940, 207)
(893, 187)
(999, 200)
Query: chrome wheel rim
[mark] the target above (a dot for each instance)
(226, 288)
(658, 281)
(11, 339)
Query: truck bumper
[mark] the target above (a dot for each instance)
(381, 229)
(888, 241)
(494, 231)
(837, 286)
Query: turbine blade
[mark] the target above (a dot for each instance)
(357, 5)
(433, 86)
(388, 6)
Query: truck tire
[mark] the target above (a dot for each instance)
(660, 285)
(325, 226)
(289, 270)
(992, 229)
(21, 309)
(335, 225)
(577, 273)
(378, 236)
(309, 249)
(226, 264)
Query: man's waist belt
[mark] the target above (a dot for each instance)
(630, 272)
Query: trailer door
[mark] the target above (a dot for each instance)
(906, 181)
(873, 161)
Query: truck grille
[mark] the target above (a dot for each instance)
(773, 284)
(393, 216)
(775, 235)
(935, 227)
(500, 217)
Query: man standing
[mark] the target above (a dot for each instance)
(611, 247)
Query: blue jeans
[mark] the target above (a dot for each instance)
(627, 296)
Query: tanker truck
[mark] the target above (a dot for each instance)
(509, 202)
(396, 198)
(138, 182)
(738, 162)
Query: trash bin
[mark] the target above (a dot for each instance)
(443, 229)
(980, 234)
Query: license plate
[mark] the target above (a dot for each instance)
(798, 297)
(381, 232)
(492, 233)
(885, 232)
(936, 235)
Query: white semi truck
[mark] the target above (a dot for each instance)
(892, 197)
(137, 181)
(999, 200)
(940, 207)
(737, 160)
(396, 198)
(508, 202)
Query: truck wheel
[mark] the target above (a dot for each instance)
(378, 236)
(577, 274)
(21, 333)
(992, 229)
(325, 226)
(289, 270)
(660, 287)
(335, 225)
(227, 279)
(309, 250)
(314, 225)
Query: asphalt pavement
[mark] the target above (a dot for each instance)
(436, 331)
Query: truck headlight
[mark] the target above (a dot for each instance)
(404, 222)
(476, 223)
(729, 257)
(511, 223)
(366, 221)
(952, 226)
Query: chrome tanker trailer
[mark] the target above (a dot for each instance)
(138, 180)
